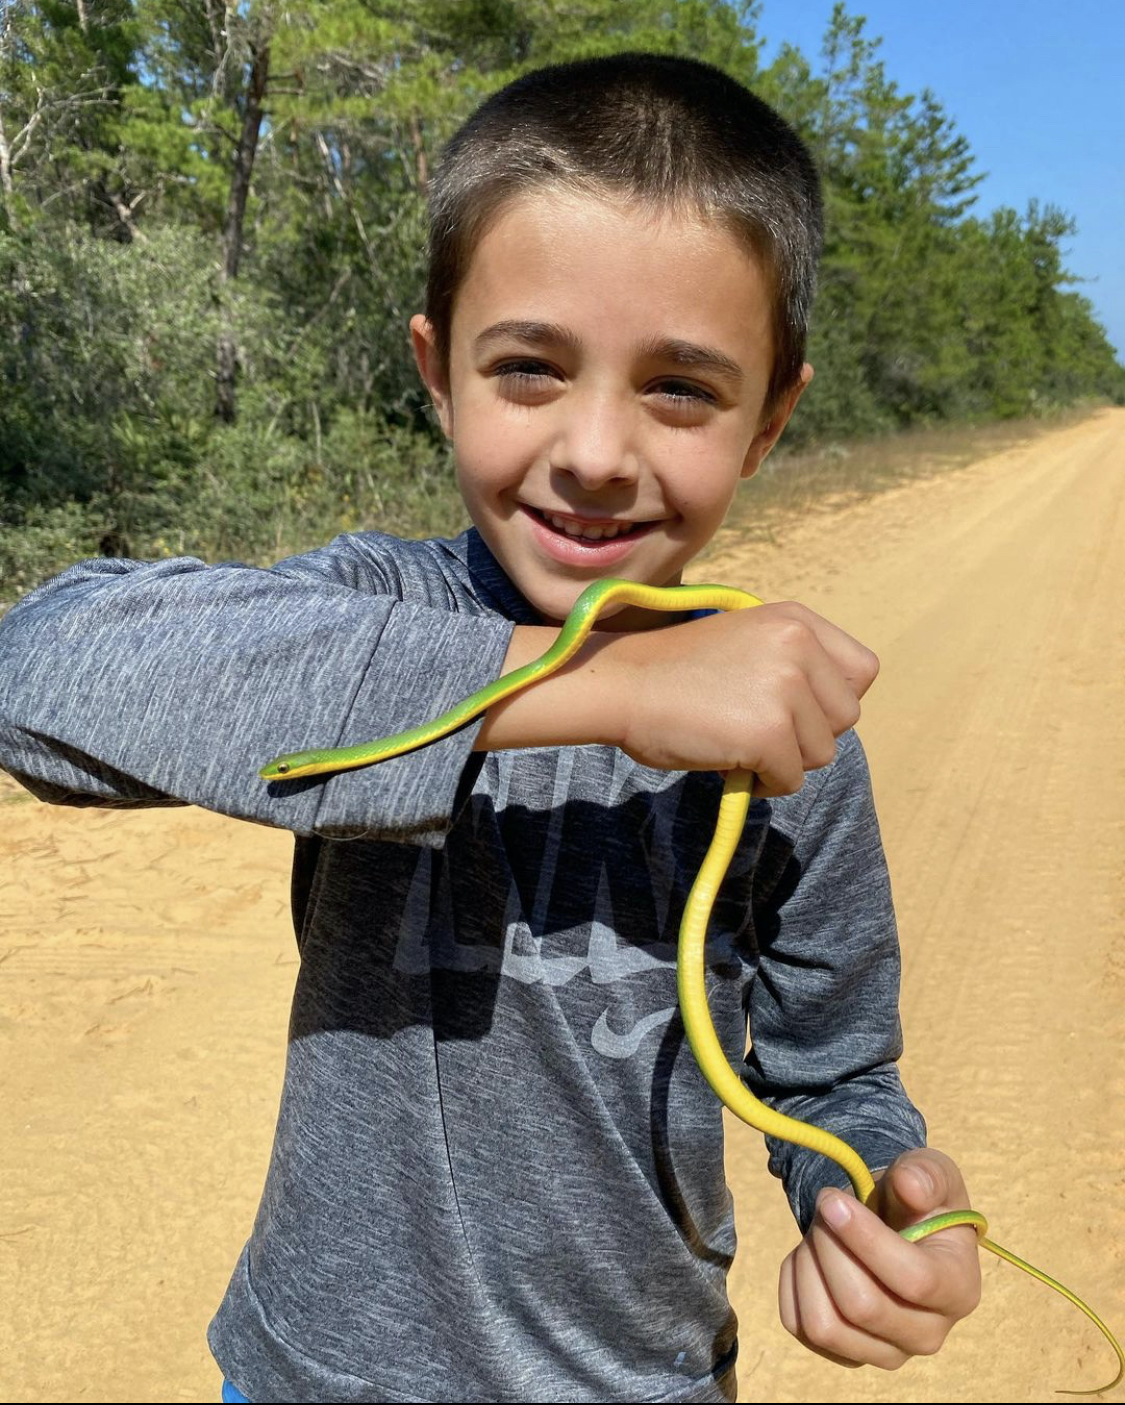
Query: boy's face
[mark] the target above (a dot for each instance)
(606, 391)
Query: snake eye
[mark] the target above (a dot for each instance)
(283, 769)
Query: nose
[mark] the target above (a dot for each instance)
(594, 445)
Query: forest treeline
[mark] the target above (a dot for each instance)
(212, 229)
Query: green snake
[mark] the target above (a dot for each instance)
(691, 966)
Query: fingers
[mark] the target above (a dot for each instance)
(799, 737)
(857, 664)
(812, 676)
(794, 646)
(854, 1290)
(840, 1315)
(766, 690)
(923, 1275)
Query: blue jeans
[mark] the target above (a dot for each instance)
(232, 1393)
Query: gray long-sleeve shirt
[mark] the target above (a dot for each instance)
(497, 1172)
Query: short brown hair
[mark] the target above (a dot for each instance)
(671, 133)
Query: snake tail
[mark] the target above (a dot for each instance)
(1071, 1297)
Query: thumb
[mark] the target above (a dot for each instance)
(917, 1185)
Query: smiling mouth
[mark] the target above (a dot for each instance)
(581, 530)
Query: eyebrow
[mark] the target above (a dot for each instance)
(674, 349)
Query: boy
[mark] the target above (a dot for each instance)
(498, 1174)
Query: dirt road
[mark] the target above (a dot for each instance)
(146, 963)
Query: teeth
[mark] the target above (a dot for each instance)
(589, 532)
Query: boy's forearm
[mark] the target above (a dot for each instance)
(765, 690)
(579, 705)
(151, 683)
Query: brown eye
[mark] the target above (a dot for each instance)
(525, 375)
(684, 393)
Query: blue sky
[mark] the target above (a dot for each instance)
(1037, 87)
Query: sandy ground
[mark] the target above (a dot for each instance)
(146, 964)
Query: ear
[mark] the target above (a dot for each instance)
(768, 435)
(429, 368)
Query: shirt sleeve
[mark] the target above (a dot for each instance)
(823, 1006)
(173, 682)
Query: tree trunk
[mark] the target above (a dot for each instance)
(5, 149)
(5, 163)
(226, 362)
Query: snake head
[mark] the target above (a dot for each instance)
(279, 769)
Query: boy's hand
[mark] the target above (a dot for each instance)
(858, 1294)
(765, 690)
